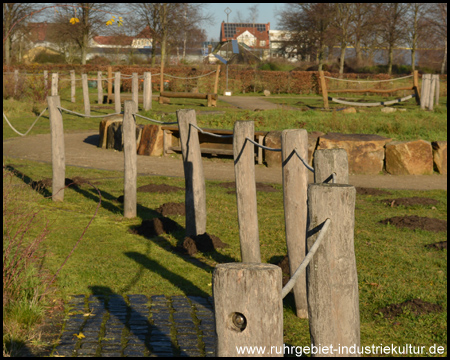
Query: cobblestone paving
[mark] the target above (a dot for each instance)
(137, 325)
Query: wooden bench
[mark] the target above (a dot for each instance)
(166, 95)
(208, 144)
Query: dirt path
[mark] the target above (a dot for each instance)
(82, 151)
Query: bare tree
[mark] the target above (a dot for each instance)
(344, 17)
(417, 27)
(438, 20)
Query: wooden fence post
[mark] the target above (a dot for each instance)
(437, 89)
(58, 152)
(195, 201)
(130, 158)
(161, 85)
(45, 79)
(147, 92)
(87, 104)
(323, 85)
(55, 84)
(72, 86)
(329, 161)
(135, 89)
(244, 170)
(109, 84)
(431, 92)
(416, 86)
(117, 104)
(295, 185)
(248, 308)
(425, 90)
(16, 81)
(216, 82)
(99, 87)
(332, 280)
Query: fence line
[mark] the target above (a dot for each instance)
(262, 146)
(368, 81)
(35, 121)
(303, 161)
(193, 77)
(156, 121)
(211, 134)
(89, 116)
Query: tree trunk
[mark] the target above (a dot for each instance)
(358, 53)
(390, 59)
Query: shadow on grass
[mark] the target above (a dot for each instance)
(35, 185)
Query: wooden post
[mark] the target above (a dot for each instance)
(87, 104)
(45, 80)
(99, 87)
(332, 280)
(130, 158)
(437, 89)
(110, 84)
(117, 104)
(72, 86)
(209, 100)
(161, 85)
(431, 92)
(55, 84)
(323, 85)
(416, 86)
(216, 82)
(295, 185)
(147, 97)
(195, 201)
(329, 161)
(244, 171)
(248, 308)
(425, 91)
(135, 90)
(58, 153)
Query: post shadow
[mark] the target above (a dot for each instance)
(38, 186)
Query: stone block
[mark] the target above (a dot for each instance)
(103, 128)
(440, 156)
(266, 93)
(409, 157)
(273, 140)
(151, 141)
(365, 151)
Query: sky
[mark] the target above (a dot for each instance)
(267, 12)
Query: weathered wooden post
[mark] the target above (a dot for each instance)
(110, 84)
(216, 82)
(45, 80)
(58, 153)
(147, 92)
(248, 308)
(195, 202)
(416, 86)
(244, 171)
(323, 85)
(161, 85)
(99, 87)
(117, 105)
(295, 185)
(54, 84)
(329, 161)
(16, 81)
(87, 104)
(426, 78)
(431, 92)
(130, 158)
(437, 89)
(72, 86)
(135, 89)
(332, 281)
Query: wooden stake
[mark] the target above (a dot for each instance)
(87, 105)
(135, 89)
(329, 161)
(117, 104)
(323, 85)
(147, 101)
(110, 84)
(55, 84)
(72, 86)
(416, 86)
(216, 82)
(99, 87)
(130, 158)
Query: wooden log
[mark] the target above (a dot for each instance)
(135, 89)
(72, 86)
(147, 101)
(130, 158)
(54, 84)
(195, 198)
(329, 161)
(117, 104)
(295, 185)
(244, 170)
(332, 280)
(58, 152)
(173, 94)
(87, 104)
(110, 84)
(416, 86)
(248, 308)
(323, 85)
(209, 100)
(99, 87)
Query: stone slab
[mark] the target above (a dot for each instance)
(440, 156)
(409, 158)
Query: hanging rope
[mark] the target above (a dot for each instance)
(262, 146)
(84, 115)
(381, 103)
(368, 81)
(211, 134)
(156, 121)
(17, 132)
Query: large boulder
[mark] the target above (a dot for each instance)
(103, 128)
(151, 141)
(409, 157)
(365, 151)
(440, 156)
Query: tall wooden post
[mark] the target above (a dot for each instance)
(329, 161)
(248, 308)
(416, 86)
(110, 84)
(323, 85)
(117, 104)
(161, 85)
(216, 82)
(244, 170)
(135, 89)
(87, 104)
(72, 86)
(295, 185)
(58, 153)
(147, 93)
(99, 87)
(55, 84)
(431, 92)
(332, 280)
(426, 78)
(195, 202)
(130, 158)
(16, 81)
(437, 89)
(45, 80)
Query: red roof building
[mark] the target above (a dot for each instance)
(252, 35)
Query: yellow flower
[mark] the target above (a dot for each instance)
(74, 20)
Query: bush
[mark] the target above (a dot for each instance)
(44, 57)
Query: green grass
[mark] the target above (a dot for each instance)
(393, 264)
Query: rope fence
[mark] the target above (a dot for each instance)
(262, 146)
(211, 134)
(32, 125)
(156, 121)
(367, 81)
(84, 115)
(303, 161)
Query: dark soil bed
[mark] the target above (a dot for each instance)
(155, 227)
(204, 243)
(416, 222)
(172, 209)
(371, 191)
(259, 187)
(160, 188)
(410, 201)
(415, 306)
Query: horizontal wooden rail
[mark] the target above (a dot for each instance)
(371, 90)
(171, 94)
